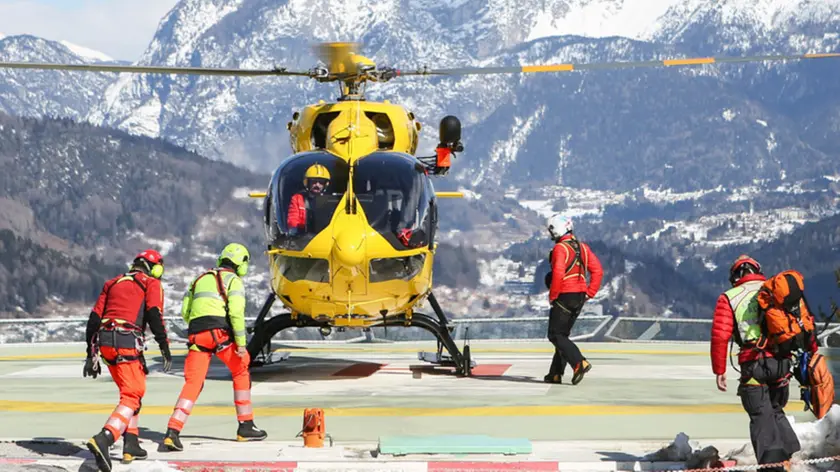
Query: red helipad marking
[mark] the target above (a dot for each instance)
(359, 370)
(490, 370)
(7, 460)
(465, 466)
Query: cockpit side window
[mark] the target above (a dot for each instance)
(320, 127)
(306, 190)
(393, 192)
(384, 130)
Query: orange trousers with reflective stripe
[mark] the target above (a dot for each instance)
(131, 380)
(195, 371)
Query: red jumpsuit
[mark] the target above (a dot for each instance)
(127, 304)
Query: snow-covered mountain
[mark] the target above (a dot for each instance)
(61, 94)
(619, 120)
(600, 118)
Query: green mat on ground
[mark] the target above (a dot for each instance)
(461, 444)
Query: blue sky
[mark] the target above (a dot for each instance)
(119, 28)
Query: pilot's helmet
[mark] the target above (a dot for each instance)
(317, 178)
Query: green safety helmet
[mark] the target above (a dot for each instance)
(238, 255)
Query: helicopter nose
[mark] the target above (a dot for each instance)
(348, 248)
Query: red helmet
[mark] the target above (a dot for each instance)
(150, 255)
(736, 271)
(153, 262)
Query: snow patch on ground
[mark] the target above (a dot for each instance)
(742, 227)
(669, 196)
(469, 194)
(163, 246)
(728, 114)
(579, 202)
(495, 272)
(241, 193)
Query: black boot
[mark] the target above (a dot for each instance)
(132, 450)
(248, 431)
(553, 378)
(580, 371)
(172, 440)
(99, 446)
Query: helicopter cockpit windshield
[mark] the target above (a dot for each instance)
(396, 197)
(304, 194)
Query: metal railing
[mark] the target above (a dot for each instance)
(588, 327)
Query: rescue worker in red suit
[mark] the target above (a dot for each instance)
(568, 291)
(115, 334)
(765, 377)
(315, 181)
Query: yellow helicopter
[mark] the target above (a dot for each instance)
(350, 217)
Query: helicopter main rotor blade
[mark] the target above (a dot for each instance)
(154, 69)
(612, 65)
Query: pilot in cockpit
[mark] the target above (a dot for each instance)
(315, 183)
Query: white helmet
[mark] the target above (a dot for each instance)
(558, 225)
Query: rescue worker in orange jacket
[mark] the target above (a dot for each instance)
(568, 291)
(316, 180)
(126, 306)
(214, 310)
(765, 377)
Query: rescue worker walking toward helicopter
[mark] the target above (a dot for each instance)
(127, 304)
(214, 309)
(568, 291)
(765, 377)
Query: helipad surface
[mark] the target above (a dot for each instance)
(633, 392)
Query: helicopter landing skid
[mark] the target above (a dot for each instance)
(259, 346)
(462, 362)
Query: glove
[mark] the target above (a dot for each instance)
(92, 367)
(241, 351)
(167, 357)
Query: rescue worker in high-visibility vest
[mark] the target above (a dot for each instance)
(764, 386)
(127, 304)
(214, 310)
